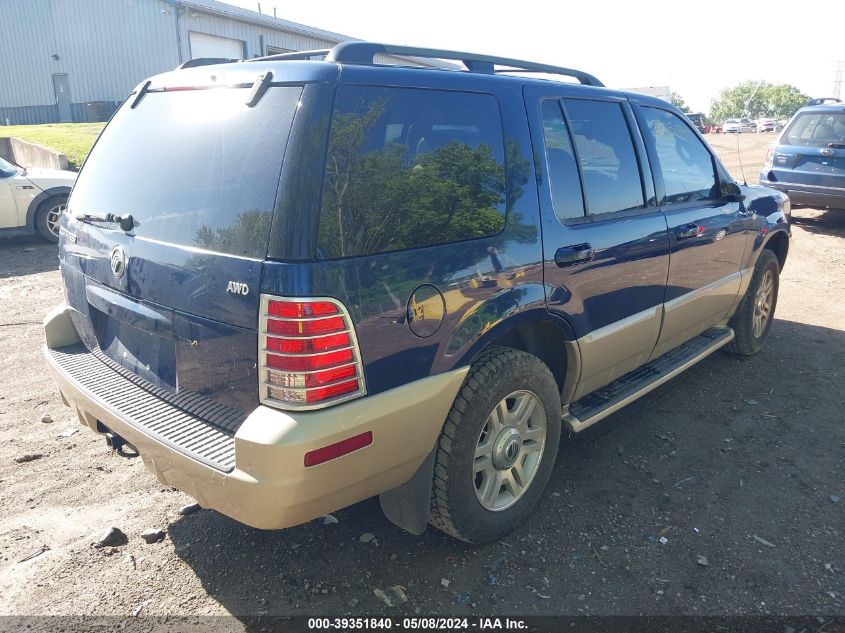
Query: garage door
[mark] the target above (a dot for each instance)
(205, 45)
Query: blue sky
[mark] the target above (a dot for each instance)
(697, 48)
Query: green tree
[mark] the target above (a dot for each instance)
(678, 102)
(247, 235)
(757, 99)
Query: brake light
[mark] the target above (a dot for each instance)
(308, 353)
(770, 157)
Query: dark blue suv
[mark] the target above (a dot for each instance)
(808, 160)
(291, 284)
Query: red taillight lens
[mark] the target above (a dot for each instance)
(770, 157)
(300, 310)
(305, 328)
(309, 354)
(309, 363)
(308, 345)
(339, 449)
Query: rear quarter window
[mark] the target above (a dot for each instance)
(408, 168)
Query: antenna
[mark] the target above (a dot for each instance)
(837, 79)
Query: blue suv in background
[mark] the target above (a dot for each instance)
(808, 160)
(294, 284)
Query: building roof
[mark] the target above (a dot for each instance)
(268, 21)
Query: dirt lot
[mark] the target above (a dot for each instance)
(738, 461)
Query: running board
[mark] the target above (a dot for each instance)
(609, 399)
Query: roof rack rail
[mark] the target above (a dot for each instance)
(359, 52)
(205, 61)
(823, 100)
(294, 55)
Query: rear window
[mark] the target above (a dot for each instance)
(195, 168)
(817, 129)
(408, 168)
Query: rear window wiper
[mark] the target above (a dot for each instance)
(126, 222)
(836, 145)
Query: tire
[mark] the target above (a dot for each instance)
(476, 495)
(753, 318)
(47, 218)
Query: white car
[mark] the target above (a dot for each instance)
(739, 126)
(32, 200)
(767, 125)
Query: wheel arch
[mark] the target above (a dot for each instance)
(540, 334)
(778, 243)
(40, 199)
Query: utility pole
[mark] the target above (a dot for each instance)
(838, 79)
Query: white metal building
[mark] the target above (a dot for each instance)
(77, 60)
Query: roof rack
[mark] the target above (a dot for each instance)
(359, 52)
(294, 55)
(205, 61)
(823, 100)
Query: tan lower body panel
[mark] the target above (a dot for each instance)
(270, 487)
(614, 350)
(691, 314)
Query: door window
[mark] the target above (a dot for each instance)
(564, 181)
(606, 155)
(684, 162)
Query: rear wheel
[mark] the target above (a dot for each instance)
(753, 319)
(497, 448)
(47, 217)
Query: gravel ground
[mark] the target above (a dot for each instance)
(716, 494)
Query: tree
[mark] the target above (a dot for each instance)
(678, 102)
(757, 99)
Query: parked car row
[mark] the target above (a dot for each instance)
(737, 126)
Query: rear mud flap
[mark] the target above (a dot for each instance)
(408, 505)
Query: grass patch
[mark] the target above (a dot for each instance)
(72, 139)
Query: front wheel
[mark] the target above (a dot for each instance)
(47, 217)
(753, 318)
(497, 448)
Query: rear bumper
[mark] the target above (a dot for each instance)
(810, 195)
(268, 485)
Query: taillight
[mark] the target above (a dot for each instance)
(770, 157)
(308, 353)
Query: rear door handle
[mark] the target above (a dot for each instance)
(688, 230)
(575, 254)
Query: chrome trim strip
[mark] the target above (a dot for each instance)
(303, 338)
(576, 426)
(292, 355)
(270, 317)
(315, 371)
(776, 183)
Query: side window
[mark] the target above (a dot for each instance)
(407, 168)
(560, 158)
(606, 153)
(685, 164)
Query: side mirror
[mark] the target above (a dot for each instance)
(731, 192)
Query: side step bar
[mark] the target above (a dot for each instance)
(609, 399)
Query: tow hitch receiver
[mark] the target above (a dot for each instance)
(117, 444)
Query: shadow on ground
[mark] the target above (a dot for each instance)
(27, 255)
(826, 222)
(733, 464)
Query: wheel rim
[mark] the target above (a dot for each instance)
(509, 450)
(54, 214)
(763, 304)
